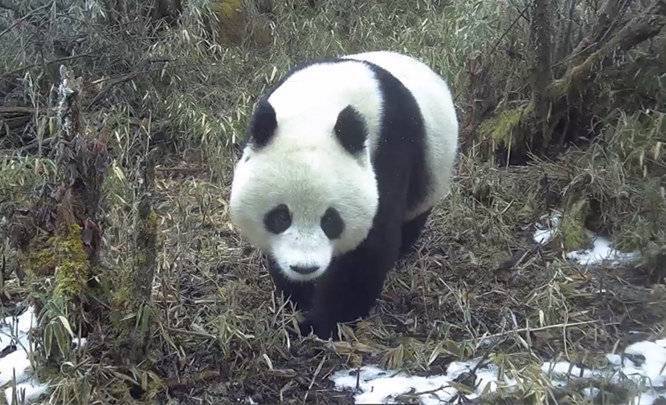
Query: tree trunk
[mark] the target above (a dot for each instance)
(542, 74)
(59, 237)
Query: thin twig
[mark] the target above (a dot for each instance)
(504, 34)
(111, 84)
(124, 78)
(58, 60)
(559, 325)
(17, 22)
(314, 377)
(192, 333)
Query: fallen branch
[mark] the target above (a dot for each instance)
(609, 16)
(640, 28)
(189, 381)
(110, 85)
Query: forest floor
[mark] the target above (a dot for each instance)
(477, 286)
(488, 305)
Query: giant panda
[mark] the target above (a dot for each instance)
(344, 160)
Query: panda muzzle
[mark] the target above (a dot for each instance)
(304, 269)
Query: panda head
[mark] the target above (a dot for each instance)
(304, 190)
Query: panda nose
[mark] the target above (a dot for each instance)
(304, 269)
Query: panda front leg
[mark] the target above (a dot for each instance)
(349, 290)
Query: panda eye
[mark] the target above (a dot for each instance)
(332, 224)
(278, 219)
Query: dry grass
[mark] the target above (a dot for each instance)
(476, 285)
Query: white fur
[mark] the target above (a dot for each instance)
(302, 246)
(309, 182)
(439, 116)
(305, 167)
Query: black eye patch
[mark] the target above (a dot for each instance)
(278, 219)
(332, 224)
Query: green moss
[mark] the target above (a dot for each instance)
(38, 261)
(62, 255)
(72, 270)
(504, 128)
(572, 228)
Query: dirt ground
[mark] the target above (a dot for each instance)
(477, 285)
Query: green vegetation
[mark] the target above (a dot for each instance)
(182, 77)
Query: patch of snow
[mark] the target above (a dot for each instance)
(648, 398)
(16, 362)
(79, 343)
(591, 392)
(16, 366)
(544, 234)
(653, 367)
(615, 359)
(15, 328)
(386, 386)
(26, 392)
(643, 363)
(488, 341)
(601, 251)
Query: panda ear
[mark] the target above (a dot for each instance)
(263, 124)
(350, 130)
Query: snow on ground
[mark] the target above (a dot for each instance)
(384, 386)
(545, 233)
(601, 251)
(26, 392)
(643, 363)
(15, 359)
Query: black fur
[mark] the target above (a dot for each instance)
(353, 281)
(412, 230)
(332, 224)
(278, 219)
(263, 124)
(350, 130)
(263, 119)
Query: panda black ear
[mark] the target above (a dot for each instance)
(350, 130)
(263, 124)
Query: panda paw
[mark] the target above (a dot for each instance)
(321, 329)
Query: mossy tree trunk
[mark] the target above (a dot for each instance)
(59, 237)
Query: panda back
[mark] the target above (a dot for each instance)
(439, 119)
